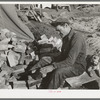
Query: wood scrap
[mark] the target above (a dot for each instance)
(82, 79)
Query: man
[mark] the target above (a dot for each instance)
(71, 62)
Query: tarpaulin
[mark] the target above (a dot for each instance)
(10, 20)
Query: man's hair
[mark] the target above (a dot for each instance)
(61, 22)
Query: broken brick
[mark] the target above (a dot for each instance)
(33, 82)
(20, 47)
(5, 67)
(19, 85)
(19, 67)
(21, 70)
(5, 41)
(1, 63)
(32, 54)
(28, 59)
(5, 87)
(22, 58)
(5, 46)
(13, 58)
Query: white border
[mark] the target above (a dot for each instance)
(50, 2)
(49, 93)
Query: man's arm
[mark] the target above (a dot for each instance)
(76, 46)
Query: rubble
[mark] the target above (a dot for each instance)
(19, 69)
(19, 85)
(33, 83)
(20, 47)
(16, 55)
(12, 60)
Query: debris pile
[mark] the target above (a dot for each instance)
(17, 55)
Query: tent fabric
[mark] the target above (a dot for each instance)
(10, 20)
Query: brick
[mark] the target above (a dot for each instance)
(5, 41)
(33, 54)
(1, 63)
(22, 58)
(5, 67)
(13, 58)
(5, 87)
(33, 82)
(21, 70)
(5, 46)
(2, 80)
(20, 47)
(3, 84)
(19, 67)
(33, 87)
(19, 85)
(3, 32)
(12, 79)
(28, 59)
(3, 56)
(37, 58)
(2, 73)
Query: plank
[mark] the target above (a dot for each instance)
(82, 79)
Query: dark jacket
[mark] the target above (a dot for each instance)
(73, 51)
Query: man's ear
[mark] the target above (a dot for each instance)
(66, 25)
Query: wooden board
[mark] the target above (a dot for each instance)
(82, 79)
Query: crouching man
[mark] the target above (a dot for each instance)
(72, 60)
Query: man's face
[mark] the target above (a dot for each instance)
(64, 30)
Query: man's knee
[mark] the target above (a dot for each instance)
(64, 72)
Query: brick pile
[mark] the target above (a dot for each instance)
(15, 56)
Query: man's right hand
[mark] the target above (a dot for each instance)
(46, 69)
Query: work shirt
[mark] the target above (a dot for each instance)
(73, 51)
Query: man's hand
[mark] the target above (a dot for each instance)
(46, 69)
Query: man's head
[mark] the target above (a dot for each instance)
(62, 25)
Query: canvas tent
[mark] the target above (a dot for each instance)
(10, 20)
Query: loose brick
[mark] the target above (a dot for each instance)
(19, 85)
(13, 58)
